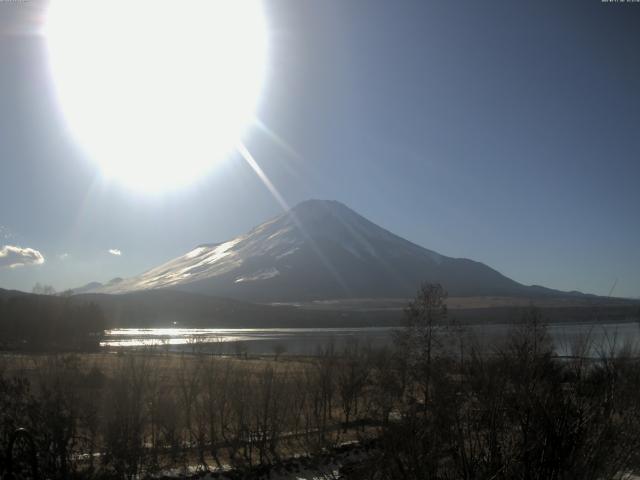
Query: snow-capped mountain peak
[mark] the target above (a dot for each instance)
(317, 250)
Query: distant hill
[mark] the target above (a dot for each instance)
(4, 294)
(321, 250)
(169, 308)
(48, 322)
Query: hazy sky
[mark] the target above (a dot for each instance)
(503, 131)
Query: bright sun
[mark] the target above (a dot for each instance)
(157, 90)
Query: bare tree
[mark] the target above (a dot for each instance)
(126, 419)
(420, 338)
(351, 379)
(278, 350)
(40, 289)
(188, 381)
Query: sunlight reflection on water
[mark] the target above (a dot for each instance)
(137, 337)
(307, 340)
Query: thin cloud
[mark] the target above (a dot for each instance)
(63, 256)
(12, 256)
(115, 251)
(5, 233)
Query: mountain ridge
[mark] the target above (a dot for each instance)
(318, 250)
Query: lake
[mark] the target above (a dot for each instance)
(307, 341)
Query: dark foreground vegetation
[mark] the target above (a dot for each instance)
(46, 322)
(436, 406)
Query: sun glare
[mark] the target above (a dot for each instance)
(154, 90)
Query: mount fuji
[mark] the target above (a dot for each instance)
(320, 250)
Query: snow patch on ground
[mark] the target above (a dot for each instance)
(322, 467)
(259, 275)
(288, 252)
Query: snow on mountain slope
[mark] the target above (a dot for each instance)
(317, 250)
